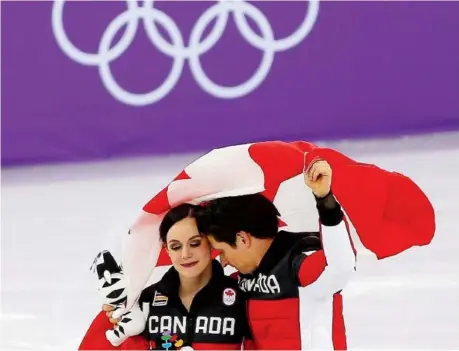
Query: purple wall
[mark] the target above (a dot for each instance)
(364, 69)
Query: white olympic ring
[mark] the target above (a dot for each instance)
(177, 49)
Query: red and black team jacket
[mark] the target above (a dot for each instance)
(217, 319)
(294, 299)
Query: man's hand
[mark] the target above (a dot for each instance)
(318, 177)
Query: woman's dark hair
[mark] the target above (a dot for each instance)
(175, 215)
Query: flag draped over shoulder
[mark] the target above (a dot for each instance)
(388, 211)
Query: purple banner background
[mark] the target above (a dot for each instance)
(366, 69)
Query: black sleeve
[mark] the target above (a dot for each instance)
(147, 295)
(330, 212)
(247, 332)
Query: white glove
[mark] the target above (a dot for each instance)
(112, 289)
(112, 286)
(131, 323)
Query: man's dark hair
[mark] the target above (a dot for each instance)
(175, 215)
(225, 217)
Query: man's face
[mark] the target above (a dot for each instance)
(239, 256)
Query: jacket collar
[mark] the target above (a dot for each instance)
(170, 282)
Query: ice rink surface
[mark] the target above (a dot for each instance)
(55, 219)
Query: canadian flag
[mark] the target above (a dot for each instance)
(389, 213)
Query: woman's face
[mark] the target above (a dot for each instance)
(190, 252)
